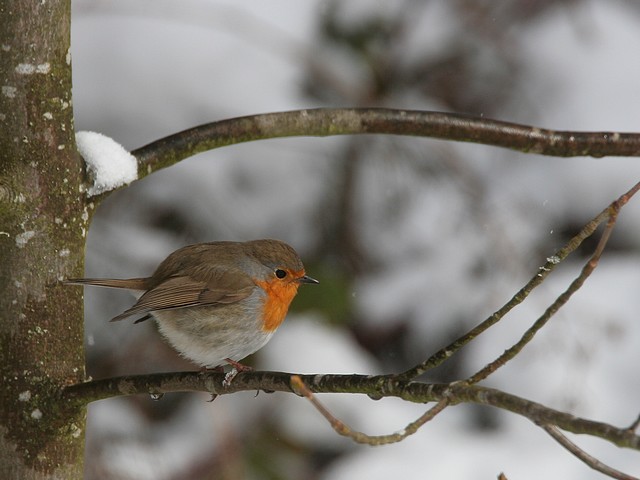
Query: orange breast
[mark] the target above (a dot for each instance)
(276, 303)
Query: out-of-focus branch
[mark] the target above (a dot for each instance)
(322, 122)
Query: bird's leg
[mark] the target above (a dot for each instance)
(237, 368)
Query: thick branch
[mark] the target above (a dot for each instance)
(322, 122)
(374, 386)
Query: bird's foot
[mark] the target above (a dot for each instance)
(237, 368)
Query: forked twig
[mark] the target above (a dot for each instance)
(341, 428)
(584, 456)
(613, 209)
(634, 426)
(573, 244)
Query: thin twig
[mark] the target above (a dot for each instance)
(589, 460)
(443, 354)
(343, 429)
(551, 310)
(563, 298)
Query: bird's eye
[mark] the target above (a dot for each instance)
(280, 273)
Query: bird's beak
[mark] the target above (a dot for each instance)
(307, 279)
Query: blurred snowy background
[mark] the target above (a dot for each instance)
(414, 240)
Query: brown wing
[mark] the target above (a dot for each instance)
(185, 291)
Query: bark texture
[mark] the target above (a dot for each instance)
(43, 219)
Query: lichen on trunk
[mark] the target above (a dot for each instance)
(43, 218)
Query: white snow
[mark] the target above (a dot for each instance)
(108, 163)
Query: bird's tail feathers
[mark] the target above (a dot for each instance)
(129, 283)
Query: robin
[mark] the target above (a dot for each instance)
(216, 302)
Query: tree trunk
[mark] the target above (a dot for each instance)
(43, 220)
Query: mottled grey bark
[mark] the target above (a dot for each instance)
(43, 219)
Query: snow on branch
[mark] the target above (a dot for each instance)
(109, 164)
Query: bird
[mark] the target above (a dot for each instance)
(216, 303)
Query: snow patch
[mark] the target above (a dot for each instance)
(108, 163)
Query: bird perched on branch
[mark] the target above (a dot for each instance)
(216, 302)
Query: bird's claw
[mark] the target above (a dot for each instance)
(228, 378)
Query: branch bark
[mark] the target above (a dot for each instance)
(375, 386)
(583, 456)
(322, 122)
